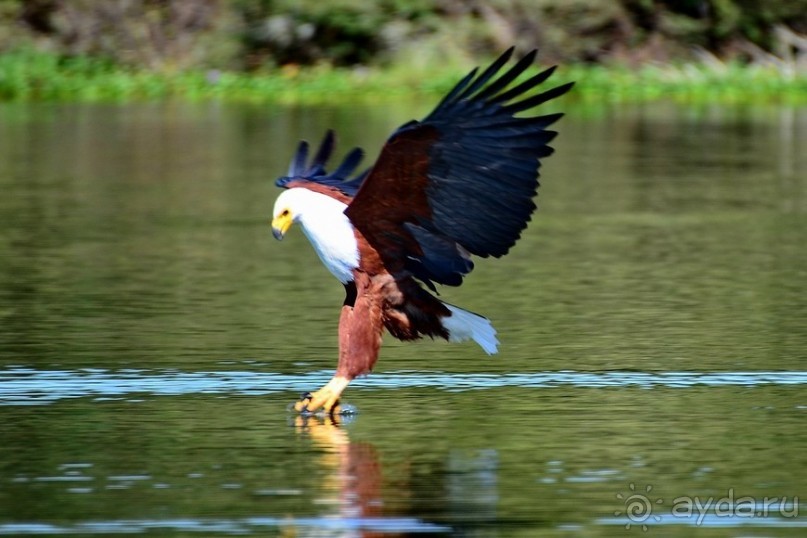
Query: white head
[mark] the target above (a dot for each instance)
(301, 206)
(288, 209)
(324, 222)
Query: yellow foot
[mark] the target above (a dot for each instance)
(326, 398)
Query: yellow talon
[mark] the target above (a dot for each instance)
(326, 398)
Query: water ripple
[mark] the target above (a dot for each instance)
(228, 526)
(28, 386)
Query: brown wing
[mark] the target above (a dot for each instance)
(397, 199)
(461, 181)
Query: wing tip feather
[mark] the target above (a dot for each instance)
(316, 171)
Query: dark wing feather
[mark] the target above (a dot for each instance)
(461, 181)
(316, 171)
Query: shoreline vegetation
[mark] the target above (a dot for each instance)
(33, 76)
(310, 51)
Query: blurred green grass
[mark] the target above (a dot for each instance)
(28, 75)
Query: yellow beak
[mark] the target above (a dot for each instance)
(281, 225)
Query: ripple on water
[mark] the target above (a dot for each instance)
(26, 386)
(229, 526)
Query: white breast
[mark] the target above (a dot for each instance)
(325, 224)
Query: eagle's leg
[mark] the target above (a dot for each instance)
(360, 327)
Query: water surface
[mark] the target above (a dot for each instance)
(653, 321)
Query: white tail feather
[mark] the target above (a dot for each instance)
(463, 325)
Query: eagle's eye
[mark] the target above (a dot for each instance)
(285, 213)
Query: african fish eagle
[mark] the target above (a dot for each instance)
(456, 184)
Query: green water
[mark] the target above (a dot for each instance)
(653, 321)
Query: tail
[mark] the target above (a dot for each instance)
(463, 325)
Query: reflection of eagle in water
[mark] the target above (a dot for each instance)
(456, 184)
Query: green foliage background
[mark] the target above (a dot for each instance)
(307, 49)
(251, 34)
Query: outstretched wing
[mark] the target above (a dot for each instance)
(299, 168)
(461, 181)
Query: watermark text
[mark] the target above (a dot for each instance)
(641, 507)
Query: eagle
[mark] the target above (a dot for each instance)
(457, 184)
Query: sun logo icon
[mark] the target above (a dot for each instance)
(638, 507)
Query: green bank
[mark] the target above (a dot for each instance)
(36, 76)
